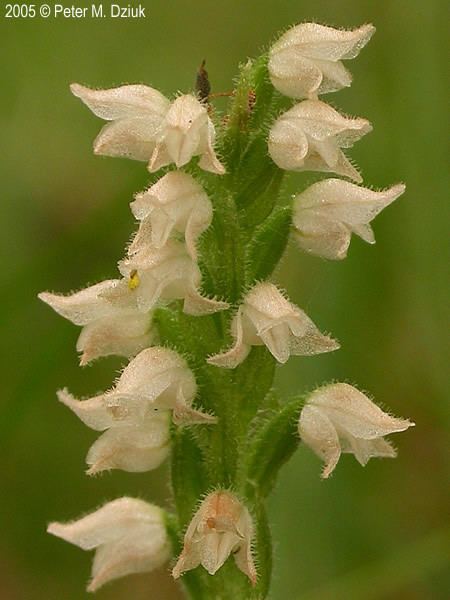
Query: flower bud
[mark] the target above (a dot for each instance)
(136, 113)
(174, 204)
(266, 318)
(309, 137)
(187, 131)
(339, 418)
(306, 60)
(107, 328)
(328, 212)
(129, 536)
(221, 526)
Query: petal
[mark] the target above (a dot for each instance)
(208, 160)
(334, 76)
(346, 202)
(122, 102)
(184, 413)
(216, 548)
(133, 449)
(317, 432)
(133, 138)
(351, 411)
(237, 353)
(324, 43)
(134, 553)
(288, 145)
(320, 121)
(197, 305)
(107, 524)
(153, 371)
(124, 335)
(319, 236)
(315, 162)
(277, 341)
(92, 412)
(294, 75)
(84, 306)
(366, 449)
(198, 222)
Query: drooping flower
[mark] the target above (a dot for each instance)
(158, 274)
(175, 203)
(221, 526)
(156, 381)
(136, 113)
(106, 328)
(339, 418)
(187, 131)
(306, 60)
(127, 443)
(328, 212)
(267, 318)
(129, 536)
(309, 137)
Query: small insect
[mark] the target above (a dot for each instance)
(134, 280)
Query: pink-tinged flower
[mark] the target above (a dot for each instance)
(186, 131)
(328, 212)
(106, 328)
(266, 318)
(339, 418)
(309, 137)
(136, 114)
(221, 526)
(128, 535)
(306, 60)
(175, 204)
(162, 274)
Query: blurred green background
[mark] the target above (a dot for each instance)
(377, 533)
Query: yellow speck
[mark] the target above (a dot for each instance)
(133, 281)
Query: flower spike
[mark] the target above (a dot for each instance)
(328, 212)
(309, 137)
(339, 418)
(128, 534)
(175, 203)
(221, 526)
(306, 60)
(267, 318)
(106, 328)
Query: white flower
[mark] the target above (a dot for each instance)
(309, 137)
(266, 317)
(305, 61)
(187, 131)
(328, 212)
(339, 418)
(135, 413)
(129, 536)
(158, 274)
(175, 203)
(221, 526)
(107, 329)
(127, 444)
(136, 113)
